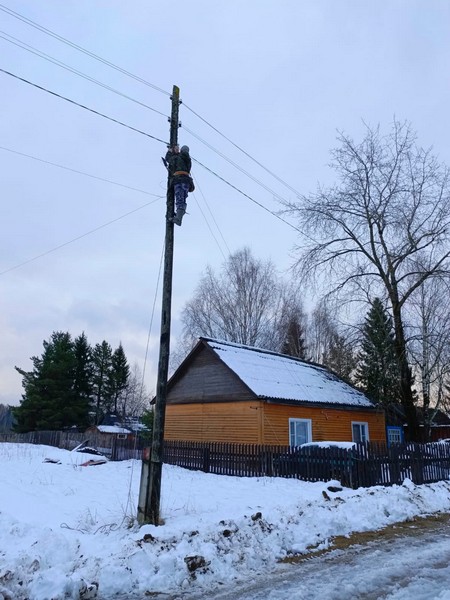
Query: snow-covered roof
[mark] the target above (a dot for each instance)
(112, 429)
(277, 376)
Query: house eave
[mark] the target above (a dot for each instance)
(310, 404)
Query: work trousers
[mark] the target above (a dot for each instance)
(181, 192)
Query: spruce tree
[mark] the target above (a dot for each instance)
(50, 401)
(102, 380)
(294, 342)
(83, 381)
(119, 375)
(378, 372)
(338, 356)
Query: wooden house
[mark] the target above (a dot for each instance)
(229, 392)
(105, 433)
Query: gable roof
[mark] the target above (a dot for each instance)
(278, 376)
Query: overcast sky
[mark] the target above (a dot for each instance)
(277, 77)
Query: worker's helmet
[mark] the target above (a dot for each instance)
(185, 149)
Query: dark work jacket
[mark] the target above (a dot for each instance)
(179, 167)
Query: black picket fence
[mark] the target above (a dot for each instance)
(363, 465)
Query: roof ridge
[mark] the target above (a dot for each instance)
(264, 351)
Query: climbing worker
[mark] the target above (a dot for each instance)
(179, 165)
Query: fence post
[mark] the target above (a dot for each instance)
(206, 459)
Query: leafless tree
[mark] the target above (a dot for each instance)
(429, 318)
(330, 343)
(240, 304)
(290, 324)
(134, 399)
(384, 228)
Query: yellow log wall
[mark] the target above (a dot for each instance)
(327, 424)
(259, 423)
(214, 422)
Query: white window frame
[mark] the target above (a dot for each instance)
(308, 430)
(394, 432)
(361, 424)
(121, 436)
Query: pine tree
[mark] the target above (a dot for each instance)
(120, 374)
(377, 371)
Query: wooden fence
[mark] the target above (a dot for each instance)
(364, 465)
(114, 448)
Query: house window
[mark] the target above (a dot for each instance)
(360, 431)
(121, 436)
(394, 435)
(300, 431)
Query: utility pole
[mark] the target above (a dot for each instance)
(150, 488)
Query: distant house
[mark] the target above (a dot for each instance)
(229, 392)
(105, 433)
(397, 428)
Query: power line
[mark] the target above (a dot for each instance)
(239, 168)
(96, 112)
(141, 80)
(246, 195)
(197, 186)
(242, 150)
(55, 61)
(19, 43)
(47, 162)
(26, 262)
(147, 135)
(64, 40)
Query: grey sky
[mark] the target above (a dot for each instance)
(278, 77)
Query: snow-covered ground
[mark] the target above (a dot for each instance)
(69, 532)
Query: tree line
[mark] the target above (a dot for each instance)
(75, 384)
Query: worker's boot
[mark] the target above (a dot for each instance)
(178, 216)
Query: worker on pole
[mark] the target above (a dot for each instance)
(179, 165)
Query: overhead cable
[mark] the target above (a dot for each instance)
(96, 112)
(64, 40)
(47, 162)
(246, 195)
(242, 150)
(239, 168)
(26, 262)
(141, 80)
(67, 67)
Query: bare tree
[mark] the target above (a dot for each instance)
(430, 344)
(239, 305)
(134, 399)
(330, 343)
(383, 230)
(291, 322)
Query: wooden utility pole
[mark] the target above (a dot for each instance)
(150, 489)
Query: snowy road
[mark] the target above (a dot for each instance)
(413, 566)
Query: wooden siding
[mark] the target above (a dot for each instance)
(207, 380)
(327, 423)
(258, 422)
(211, 422)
